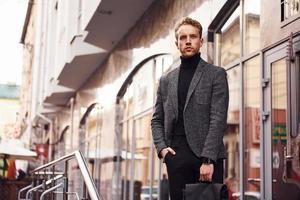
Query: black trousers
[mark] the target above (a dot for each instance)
(184, 168)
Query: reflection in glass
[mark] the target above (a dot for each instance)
(252, 124)
(289, 8)
(99, 152)
(142, 154)
(231, 138)
(162, 65)
(279, 107)
(139, 165)
(285, 173)
(252, 26)
(229, 39)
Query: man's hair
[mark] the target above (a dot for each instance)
(188, 21)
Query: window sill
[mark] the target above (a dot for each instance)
(290, 20)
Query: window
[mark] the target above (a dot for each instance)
(289, 8)
(138, 166)
(251, 35)
(252, 123)
(232, 133)
(243, 69)
(229, 40)
(295, 97)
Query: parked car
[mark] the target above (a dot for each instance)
(145, 193)
(249, 195)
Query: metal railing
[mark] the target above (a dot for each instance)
(43, 185)
(88, 186)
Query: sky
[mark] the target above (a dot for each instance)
(12, 17)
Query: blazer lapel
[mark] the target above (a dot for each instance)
(173, 89)
(196, 78)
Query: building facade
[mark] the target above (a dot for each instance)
(95, 70)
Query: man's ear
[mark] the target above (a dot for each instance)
(201, 42)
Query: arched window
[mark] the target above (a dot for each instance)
(95, 151)
(135, 102)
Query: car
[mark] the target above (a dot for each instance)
(249, 195)
(145, 193)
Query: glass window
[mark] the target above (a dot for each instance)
(162, 65)
(231, 137)
(127, 129)
(279, 122)
(289, 8)
(252, 124)
(98, 150)
(140, 166)
(142, 152)
(143, 87)
(228, 40)
(252, 26)
(294, 96)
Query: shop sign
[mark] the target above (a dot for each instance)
(279, 133)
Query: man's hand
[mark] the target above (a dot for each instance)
(164, 152)
(206, 172)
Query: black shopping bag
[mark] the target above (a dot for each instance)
(205, 191)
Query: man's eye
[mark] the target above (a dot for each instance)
(182, 37)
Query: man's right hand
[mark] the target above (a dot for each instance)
(164, 152)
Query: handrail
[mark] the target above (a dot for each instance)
(32, 189)
(50, 190)
(43, 184)
(93, 193)
(63, 158)
(49, 173)
(23, 189)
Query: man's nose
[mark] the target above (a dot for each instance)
(188, 40)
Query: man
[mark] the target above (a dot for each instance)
(190, 114)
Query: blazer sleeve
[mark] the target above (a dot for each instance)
(157, 122)
(218, 115)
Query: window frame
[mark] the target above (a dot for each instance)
(289, 19)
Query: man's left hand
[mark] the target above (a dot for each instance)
(206, 172)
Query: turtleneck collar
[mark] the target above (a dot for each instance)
(190, 61)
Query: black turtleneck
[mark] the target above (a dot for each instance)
(186, 73)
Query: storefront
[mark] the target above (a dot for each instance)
(113, 109)
(263, 82)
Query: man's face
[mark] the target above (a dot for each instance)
(188, 41)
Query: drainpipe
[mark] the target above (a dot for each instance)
(50, 136)
(72, 101)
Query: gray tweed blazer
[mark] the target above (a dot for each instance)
(204, 115)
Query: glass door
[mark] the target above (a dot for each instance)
(280, 158)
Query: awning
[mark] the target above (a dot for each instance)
(14, 149)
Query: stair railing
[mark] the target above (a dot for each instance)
(88, 186)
